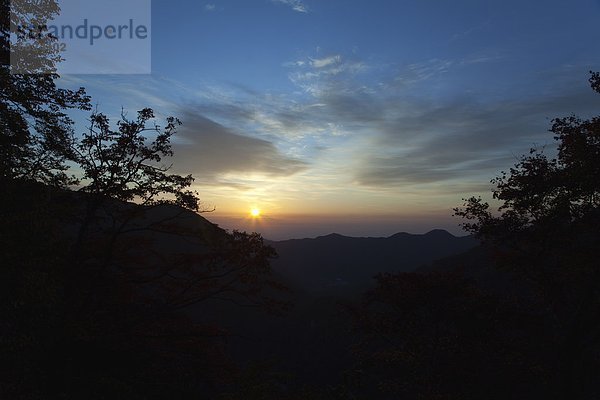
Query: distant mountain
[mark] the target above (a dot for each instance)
(337, 263)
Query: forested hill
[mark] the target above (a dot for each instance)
(334, 261)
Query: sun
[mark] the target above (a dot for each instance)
(255, 212)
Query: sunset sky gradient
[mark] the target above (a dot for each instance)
(364, 118)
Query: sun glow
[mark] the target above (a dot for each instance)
(255, 213)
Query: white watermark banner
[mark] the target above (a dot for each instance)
(81, 36)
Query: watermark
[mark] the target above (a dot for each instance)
(81, 36)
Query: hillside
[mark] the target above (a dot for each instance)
(334, 261)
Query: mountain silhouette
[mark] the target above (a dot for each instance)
(332, 262)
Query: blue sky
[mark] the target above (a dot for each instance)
(360, 117)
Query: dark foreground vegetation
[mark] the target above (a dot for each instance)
(114, 287)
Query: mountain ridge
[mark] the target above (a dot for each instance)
(433, 232)
(318, 264)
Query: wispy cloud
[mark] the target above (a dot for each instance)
(459, 140)
(296, 5)
(421, 71)
(405, 134)
(363, 127)
(325, 62)
(210, 7)
(315, 75)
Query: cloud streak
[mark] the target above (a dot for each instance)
(325, 62)
(369, 127)
(406, 136)
(296, 5)
(460, 140)
(210, 150)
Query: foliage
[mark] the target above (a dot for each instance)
(546, 232)
(125, 329)
(444, 335)
(122, 166)
(35, 130)
(540, 192)
(92, 302)
(547, 225)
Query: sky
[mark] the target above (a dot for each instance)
(364, 118)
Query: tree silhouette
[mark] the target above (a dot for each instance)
(99, 270)
(35, 130)
(445, 335)
(121, 262)
(122, 166)
(546, 232)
